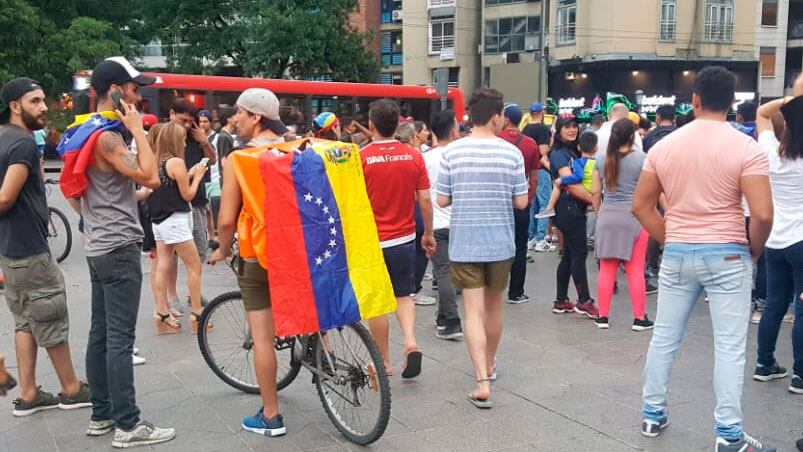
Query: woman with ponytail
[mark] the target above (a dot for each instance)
(620, 237)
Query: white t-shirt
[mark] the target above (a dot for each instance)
(604, 136)
(786, 179)
(440, 215)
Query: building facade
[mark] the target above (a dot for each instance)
(648, 49)
(771, 46)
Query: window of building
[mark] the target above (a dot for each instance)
(718, 20)
(504, 2)
(769, 13)
(390, 78)
(669, 24)
(567, 19)
(390, 11)
(441, 35)
(512, 34)
(454, 76)
(391, 48)
(767, 57)
(486, 77)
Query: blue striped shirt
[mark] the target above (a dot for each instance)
(481, 175)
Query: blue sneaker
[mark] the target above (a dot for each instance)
(267, 427)
(651, 428)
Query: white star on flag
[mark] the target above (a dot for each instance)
(318, 260)
(327, 254)
(308, 197)
(331, 220)
(332, 243)
(333, 231)
(318, 201)
(325, 209)
(96, 121)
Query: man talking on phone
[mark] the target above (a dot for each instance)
(198, 147)
(113, 240)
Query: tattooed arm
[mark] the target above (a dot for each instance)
(141, 167)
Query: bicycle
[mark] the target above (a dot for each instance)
(59, 234)
(346, 365)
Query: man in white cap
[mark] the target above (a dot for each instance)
(258, 124)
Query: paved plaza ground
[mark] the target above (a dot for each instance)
(563, 386)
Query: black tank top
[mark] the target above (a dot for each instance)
(166, 200)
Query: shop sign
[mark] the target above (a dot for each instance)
(649, 104)
(742, 96)
(567, 105)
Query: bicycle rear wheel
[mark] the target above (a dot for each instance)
(59, 235)
(228, 349)
(356, 392)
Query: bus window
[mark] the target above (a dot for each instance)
(419, 109)
(291, 111)
(361, 107)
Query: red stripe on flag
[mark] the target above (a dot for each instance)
(73, 181)
(292, 297)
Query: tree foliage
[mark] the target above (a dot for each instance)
(269, 38)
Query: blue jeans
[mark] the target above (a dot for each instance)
(116, 283)
(537, 229)
(724, 271)
(784, 286)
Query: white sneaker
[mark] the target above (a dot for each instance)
(531, 244)
(544, 246)
(422, 299)
(143, 434)
(138, 360)
(136, 350)
(100, 428)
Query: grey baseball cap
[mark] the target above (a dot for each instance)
(263, 102)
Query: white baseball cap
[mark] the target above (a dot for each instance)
(263, 102)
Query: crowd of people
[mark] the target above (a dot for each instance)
(472, 204)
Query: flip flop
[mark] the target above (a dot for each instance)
(482, 404)
(412, 366)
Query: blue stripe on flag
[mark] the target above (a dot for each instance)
(323, 237)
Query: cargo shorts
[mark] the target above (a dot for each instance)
(36, 297)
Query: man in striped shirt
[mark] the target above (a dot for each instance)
(482, 178)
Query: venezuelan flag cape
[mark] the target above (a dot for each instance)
(75, 148)
(325, 266)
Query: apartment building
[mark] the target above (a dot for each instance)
(793, 54)
(771, 46)
(441, 34)
(648, 49)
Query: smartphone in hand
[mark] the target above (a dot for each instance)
(117, 103)
(205, 161)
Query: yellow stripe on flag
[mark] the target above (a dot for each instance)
(80, 119)
(367, 270)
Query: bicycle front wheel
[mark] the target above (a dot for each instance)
(228, 348)
(355, 392)
(59, 235)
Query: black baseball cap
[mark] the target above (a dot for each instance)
(12, 91)
(116, 71)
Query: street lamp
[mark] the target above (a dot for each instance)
(639, 99)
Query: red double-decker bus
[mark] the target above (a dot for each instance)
(300, 100)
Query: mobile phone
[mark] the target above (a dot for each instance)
(205, 161)
(116, 100)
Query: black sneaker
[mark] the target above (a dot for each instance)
(519, 299)
(602, 323)
(796, 385)
(43, 401)
(769, 373)
(440, 323)
(651, 429)
(81, 399)
(744, 444)
(800, 444)
(651, 289)
(642, 324)
(450, 332)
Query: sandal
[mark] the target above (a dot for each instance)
(194, 324)
(412, 365)
(480, 403)
(166, 324)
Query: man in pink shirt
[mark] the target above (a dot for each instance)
(704, 169)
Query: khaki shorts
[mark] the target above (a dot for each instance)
(493, 275)
(253, 281)
(36, 297)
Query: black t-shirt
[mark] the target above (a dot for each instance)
(567, 204)
(193, 153)
(224, 144)
(538, 132)
(656, 135)
(23, 229)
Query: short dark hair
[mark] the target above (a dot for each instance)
(442, 124)
(226, 113)
(183, 106)
(588, 142)
(597, 119)
(666, 112)
(747, 110)
(644, 123)
(484, 104)
(715, 86)
(384, 114)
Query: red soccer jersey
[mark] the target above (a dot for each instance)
(393, 174)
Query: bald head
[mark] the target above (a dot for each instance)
(618, 111)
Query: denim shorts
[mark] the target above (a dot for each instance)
(400, 261)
